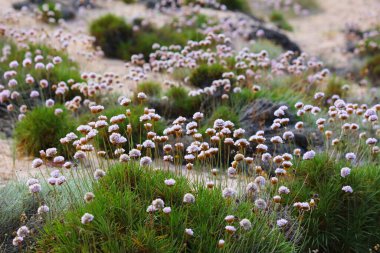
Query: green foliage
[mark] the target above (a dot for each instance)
(63, 72)
(221, 112)
(233, 5)
(263, 44)
(180, 103)
(373, 67)
(150, 88)
(280, 21)
(204, 75)
(121, 223)
(112, 34)
(341, 222)
(50, 13)
(118, 40)
(334, 86)
(129, 1)
(311, 5)
(236, 5)
(18, 207)
(42, 129)
(138, 135)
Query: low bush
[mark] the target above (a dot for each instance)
(138, 134)
(66, 71)
(180, 103)
(111, 33)
(122, 224)
(150, 88)
(41, 128)
(118, 40)
(50, 12)
(280, 21)
(204, 75)
(372, 66)
(340, 222)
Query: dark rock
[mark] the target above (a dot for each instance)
(21, 5)
(67, 13)
(276, 37)
(259, 115)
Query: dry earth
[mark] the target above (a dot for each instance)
(322, 34)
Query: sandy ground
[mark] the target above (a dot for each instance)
(322, 34)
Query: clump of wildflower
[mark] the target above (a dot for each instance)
(189, 232)
(43, 209)
(228, 193)
(188, 198)
(283, 190)
(37, 163)
(167, 210)
(347, 189)
(344, 172)
(99, 174)
(245, 224)
(170, 182)
(87, 218)
(145, 161)
(23, 231)
(88, 197)
(282, 222)
(308, 155)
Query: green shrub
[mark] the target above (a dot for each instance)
(50, 13)
(63, 72)
(273, 50)
(334, 86)
(129, 1)
(138, 131)
(373, 67)
(42, 129)
(341, 222)
(121, 223)
(221, 112)
(279, 20)
(180, 103)
(18, 207)
(118, 40)
(150, 88)
(111, 33)
(236, 5)
(204, 75)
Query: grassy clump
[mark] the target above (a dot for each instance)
(341, 222)
(121, 223)
(204, 75)
(118, 40)
(334, 86)
(138, 134)
(65, 71)
(150, 88)
(50, 13)
(18, 207)
(280, 21)
(236, 5)
(372, 66)
(42, 129)
(180, 103)
(233, 5)
(111, 33)
(273, 50)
